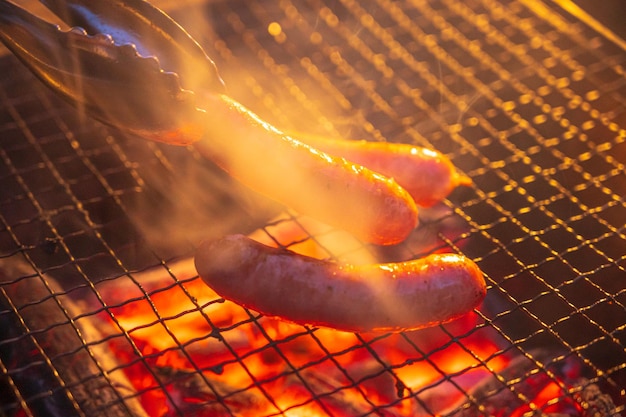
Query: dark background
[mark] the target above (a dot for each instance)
(610, 12)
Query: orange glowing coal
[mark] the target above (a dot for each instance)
(193, 353)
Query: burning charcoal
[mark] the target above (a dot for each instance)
(495, 395)
(594, 403)
(335, 397)
(377, 381)
(48, 355)
(198, 395)
(444, 392)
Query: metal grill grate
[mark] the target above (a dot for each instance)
(526, 99)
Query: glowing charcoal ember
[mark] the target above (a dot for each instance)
(594, 402)
(199, 394)
(248, 362)
(54, 356)
(341, 372)
(533, 388)
(327, 395)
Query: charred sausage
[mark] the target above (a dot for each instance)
(329, 188)
(375, 297)
(429, 176)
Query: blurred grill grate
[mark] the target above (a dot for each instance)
(527, 100)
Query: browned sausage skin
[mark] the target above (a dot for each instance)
(429, 176)
(375, 297)
(328, 188)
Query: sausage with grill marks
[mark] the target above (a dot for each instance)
(358, 298)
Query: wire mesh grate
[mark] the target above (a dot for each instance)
(526, 99)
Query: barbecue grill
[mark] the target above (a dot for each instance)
(101, 312)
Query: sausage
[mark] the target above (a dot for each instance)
(357, 298)
(428, 175)
(331, 189)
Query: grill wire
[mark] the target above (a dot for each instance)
(526, 99)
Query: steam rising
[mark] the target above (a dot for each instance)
(187, 198)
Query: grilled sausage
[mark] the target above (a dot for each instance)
(331, 189)
(375, 297)
(428, 175)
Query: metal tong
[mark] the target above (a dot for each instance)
(123, 62)
(133, 67)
